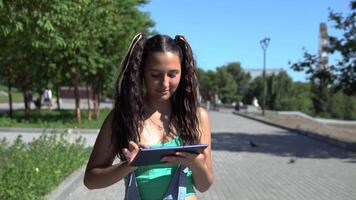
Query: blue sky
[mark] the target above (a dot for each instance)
(226, 31)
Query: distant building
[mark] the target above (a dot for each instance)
(258, 72)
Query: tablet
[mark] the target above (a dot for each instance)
(152, 156)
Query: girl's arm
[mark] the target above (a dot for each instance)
(100, 172)
(200, 164)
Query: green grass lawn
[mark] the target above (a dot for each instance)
(17, 95)
(52, 119)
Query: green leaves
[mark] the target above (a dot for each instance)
(90, 35)
(229, 82)
(340, 75)
(19, 26)
(31, 170)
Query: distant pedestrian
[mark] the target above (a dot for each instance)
(255, 103)
(47, 98)
(237, 106)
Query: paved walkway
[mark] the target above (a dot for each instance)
(283, 165)
(65, 104)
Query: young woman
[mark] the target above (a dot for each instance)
(155, 106)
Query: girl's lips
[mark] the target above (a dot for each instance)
(163, 91)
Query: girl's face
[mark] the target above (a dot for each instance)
(162, 74)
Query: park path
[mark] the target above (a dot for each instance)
(65, 105)
(282, 165)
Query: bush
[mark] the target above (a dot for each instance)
(342, 106)
(32, 170)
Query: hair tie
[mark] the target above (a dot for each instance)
(181, 38)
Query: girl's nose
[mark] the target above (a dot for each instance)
(165, 81)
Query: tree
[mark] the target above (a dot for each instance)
(241, 78)
(346, 46)
(342, 106)
(300, 99)
(226, 86)
(255, 89)
(54, 42)
(203, 82)
(341, 75)
(282, 93)
(218, 82)
(279, 89)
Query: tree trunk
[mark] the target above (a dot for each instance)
(9, 91)
(39, 101)
(97, 98)
(26, 102)
(98, 106)
(76, 94)
(25, 85)
(57, 95)
(89, 101)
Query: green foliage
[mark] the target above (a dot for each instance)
(255, 89)
(227, 88)
(229, 82)
(279, 88)
(203, 82)
(299, 99)
(282, 93)
(51, 119)
(207, 83)
(241, 78)
(346, 46)
(341, 75)
(32, 170)
(342, 106)
(60, 43)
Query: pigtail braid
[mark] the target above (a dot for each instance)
(186, 95)
(128, 109)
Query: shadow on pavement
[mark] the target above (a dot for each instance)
(279, 144)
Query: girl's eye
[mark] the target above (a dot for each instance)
(172, 75)
(155, 75)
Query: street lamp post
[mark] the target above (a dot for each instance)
(264, 44)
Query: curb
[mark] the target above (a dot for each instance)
(48, 130)
(332, 141)
(63, 191)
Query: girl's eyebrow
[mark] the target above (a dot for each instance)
(172, 70)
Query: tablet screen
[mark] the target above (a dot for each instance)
(152, 156)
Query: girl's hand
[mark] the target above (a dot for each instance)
(131, 152)
(191, 160)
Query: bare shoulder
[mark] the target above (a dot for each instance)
(204, 125)
(203, 115)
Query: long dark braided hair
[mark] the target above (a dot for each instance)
(128, 113)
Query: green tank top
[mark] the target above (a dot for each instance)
(153, 180)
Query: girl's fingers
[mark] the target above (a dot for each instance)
(126, 153)
(133, 145)
(171, 159)
(144, 146)
(186, 155)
